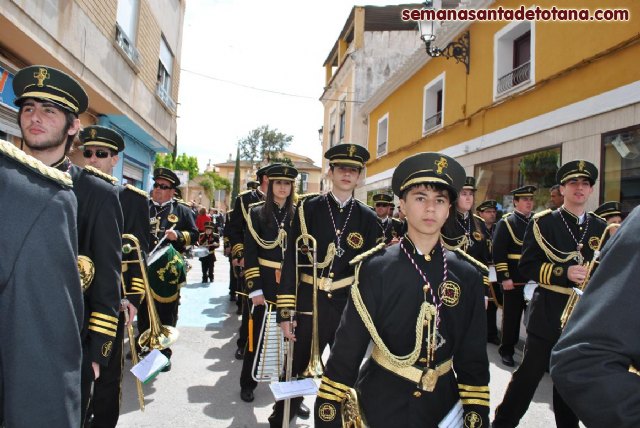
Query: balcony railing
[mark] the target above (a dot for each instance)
(164, 96)
(126, 46)
(517, 76)
(433, 121)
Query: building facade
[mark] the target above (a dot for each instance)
(125, 53)
(373, 43)
(537, 94)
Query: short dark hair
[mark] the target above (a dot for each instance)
(346, 166)
(554, 187)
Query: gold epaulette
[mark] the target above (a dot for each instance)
(473, 261)
(35, 165)
(479, 218)
(542, 213)
(137, 190)
(397, 220)
(106, 177)
(506, 215)
(182, 202)
(306, 195)
(255, 204)
(244, 192)
(360, 257)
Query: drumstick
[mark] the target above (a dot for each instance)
(160, 242)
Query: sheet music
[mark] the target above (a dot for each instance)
(294, 388)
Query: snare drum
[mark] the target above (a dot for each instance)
(200, 252)
(167, 273)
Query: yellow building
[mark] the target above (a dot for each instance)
(125, 53)
(373, 43)
(537, 94)
(308, 180)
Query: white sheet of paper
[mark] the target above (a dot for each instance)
(492, 274)
(149, 366)
(293, 388)
(453, 419)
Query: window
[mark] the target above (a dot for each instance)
(514, 64)
(497, 178)
(332, 129)
(165, 67)
(433, 105)
(343, 118)
(304, 181)
(126, 29)
(621, 168)
(383, 135)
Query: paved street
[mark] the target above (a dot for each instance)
(202, 387)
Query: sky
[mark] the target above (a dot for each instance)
(278, 46)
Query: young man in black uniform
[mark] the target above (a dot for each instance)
(487, 210)
(610, 211)
(390, 228)
(423, 307)
(556, 245)
(343, 227)
(40, 306)
(175, 221)
(235, 229)
(507, 250)
(50, 102)
(595, 363)
(99, 149)
(265, 240)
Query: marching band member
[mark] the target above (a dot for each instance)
(41, 307)
(507, 250)
(611, 212)
(595, 363)
(176, 222)
(99, 149)
(268, 224)
(556, 244)
(350, 230)
(50, 102)
(423, 307)
(487, 210)
(211, 241)
(390, 228)
(236, 228)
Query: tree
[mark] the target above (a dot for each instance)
(181, 163)
(236, 178)
(264, 144)
(212, 182)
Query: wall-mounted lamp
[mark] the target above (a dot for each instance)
(459, 49)
(320, 132)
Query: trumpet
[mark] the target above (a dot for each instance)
(579, 290)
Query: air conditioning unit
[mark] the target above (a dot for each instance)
(624, 146)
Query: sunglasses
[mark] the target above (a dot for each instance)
(161, 186)
(100, 154)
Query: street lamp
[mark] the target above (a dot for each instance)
(320, 132)
(459, 49)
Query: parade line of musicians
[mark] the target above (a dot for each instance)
(419, 292)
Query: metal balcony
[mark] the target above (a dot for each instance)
(518, 75)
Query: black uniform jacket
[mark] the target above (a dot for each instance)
(41, 304)
(507, 247)
(237, 224)
(541, 263)
(389, 228)
(594, 363)
(209, 241)
(100, 228)
(392, 292)
(259, 263)
(135, 210)
(180, 217)
(359, 234)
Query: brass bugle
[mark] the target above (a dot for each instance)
(577, 291)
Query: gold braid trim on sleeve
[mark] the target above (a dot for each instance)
(397, 361)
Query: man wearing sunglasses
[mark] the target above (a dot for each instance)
(176, 222)
(49, 103)
(99, 148)
(390, 228)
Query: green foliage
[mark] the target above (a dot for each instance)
(540, 168)
(182, 163)
(212, 182)
(263, 144)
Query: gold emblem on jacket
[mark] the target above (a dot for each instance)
(449, 293)
(106, 348)
(87, 270)
(172, 218)
(327, 412)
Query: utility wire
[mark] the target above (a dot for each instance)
(242, 85)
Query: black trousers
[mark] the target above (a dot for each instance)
(207, 267)
(492, 310)
(107, 393)
(514, 306)
(233, 285)
(246, 381)
(523, 385)
(167, 314)
(86, 381)
(329, 313)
